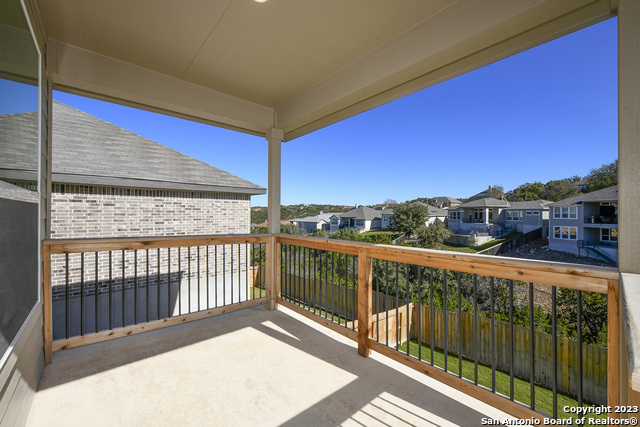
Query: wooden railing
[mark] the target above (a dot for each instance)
(109, 288)
(546, 275)
(269, 272)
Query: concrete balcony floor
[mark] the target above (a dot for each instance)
(250, 367)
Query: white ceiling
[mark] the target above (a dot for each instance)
(295, 64)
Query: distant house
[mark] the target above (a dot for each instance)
(447, 202)
(387, 216)
(526, 216)
(313, 223)
(435, 213)
(586, 225)
(361, 218)
(496, 217)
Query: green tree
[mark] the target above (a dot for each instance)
(433, 236)
(409, 217)
(495, 191)
(561, 189)
(603, 177)
(528, 191)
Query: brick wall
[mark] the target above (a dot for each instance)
(92, 212)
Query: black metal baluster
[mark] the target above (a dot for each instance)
(554, 348)
(82, 293)
(354, 293)
(110, 290)
(169, 312)
(397, 308)
(493, 335)
(147, 290)
(580, 370)
(511, 342)
(339, 292)
(333, 289)
(123, 289)
(246, 268)
(446, 315)
(135, 286)
(475, 327)
(66, 295)
(97, 292)
(407, 296)
(531, 349)
(215, 280)
(387, 310)
(377, 300)
(432, 313)
(315, 281)
(459, 324)
(158, 289)
(346, 290)
(239, 274)
(419, 312)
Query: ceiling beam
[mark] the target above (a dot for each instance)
(82, 72)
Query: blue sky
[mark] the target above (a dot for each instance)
(547, 113)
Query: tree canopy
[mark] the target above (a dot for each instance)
(602, 177)
(408, 217)
(433, 236)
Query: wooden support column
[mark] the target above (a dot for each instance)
(47, 301)
(613, 344)
(628, 178)
(364, 302)
(274, 137)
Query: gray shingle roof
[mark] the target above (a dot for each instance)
(88, 150)
(323, 217)
(362, 212)
(609, 194)
(443, 199)
(529, 204)
(487, 202)
(436, 211)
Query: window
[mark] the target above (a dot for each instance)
(454, 215)
(334, 221)
(514, 215)
(609, 235)
(385, 218)
(478, 214)
(568, 233)
(533, 212)
(566, 212)
(359, 222)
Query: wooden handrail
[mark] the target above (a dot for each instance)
(585, 278)
(70, 246)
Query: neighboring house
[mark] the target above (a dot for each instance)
(313, 223)
(526, 216)
(360, 217)
(387, 216)
(447, 202)
(477, 216)
(109, 182)
(586, 225)
(495, 217)
(435, 213)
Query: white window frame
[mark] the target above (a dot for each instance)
(571, 212)
(385, 218)
(564, 232)
(454, 215)
(335, 221)
(359, 222)
(609, 238)
(533, 212)
(514, 216)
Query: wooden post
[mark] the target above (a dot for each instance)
(613, 344)
(273, 273)
(46, 298)
(274, 137)
(364, 302)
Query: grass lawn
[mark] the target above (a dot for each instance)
(457, 248)
(392, 233)
(522, 388)
(497, 241)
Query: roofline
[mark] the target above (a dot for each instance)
(58, 178)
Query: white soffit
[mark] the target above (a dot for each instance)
(298, 65)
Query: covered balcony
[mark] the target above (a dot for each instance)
(352, 333)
